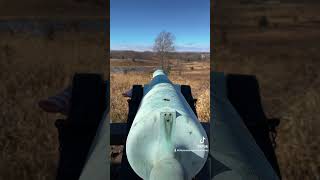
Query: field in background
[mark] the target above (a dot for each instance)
(35, 66)
(284, 55)
(125, 73)
(128, 70)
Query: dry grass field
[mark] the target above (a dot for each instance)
(285, 58)
(195, 74)
(125, 73)
(34, 67)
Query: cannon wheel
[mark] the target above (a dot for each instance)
(244, 94)
(186, 92)
(76, 133)
(126, 172)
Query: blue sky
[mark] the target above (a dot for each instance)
(134, 24)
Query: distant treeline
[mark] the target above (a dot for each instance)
(149, 55)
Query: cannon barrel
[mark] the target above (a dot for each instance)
(166, 139)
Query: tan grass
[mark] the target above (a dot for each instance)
(285, 61)
(31, 68)
(121, 82)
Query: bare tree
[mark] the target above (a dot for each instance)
(163, 44)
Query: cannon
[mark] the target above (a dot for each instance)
(238, 131)
(163, 138)
(240, 146)
(166, 139)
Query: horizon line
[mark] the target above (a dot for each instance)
(179, 51)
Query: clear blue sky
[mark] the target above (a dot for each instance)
(136, 23)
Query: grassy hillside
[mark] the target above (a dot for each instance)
(34, 67)
(284, 56)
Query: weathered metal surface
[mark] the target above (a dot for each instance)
(232, 146)
(98, 162)
(118, 132)
(166, 140)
